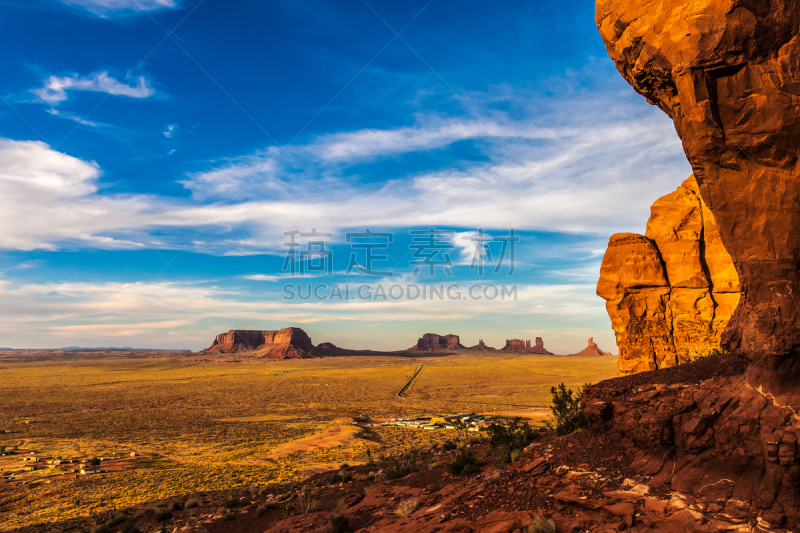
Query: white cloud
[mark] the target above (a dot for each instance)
(55, 88)
(109, 8)
(434, 133)
(170, 131)
(599, 178)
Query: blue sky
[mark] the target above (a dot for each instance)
(154, 152)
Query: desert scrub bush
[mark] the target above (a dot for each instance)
(407, 507)
(338, 503)
(228, 516)
(304, 501)
(285, 496)
(448, 446)
(463, 463)
(370, 475)
(436, 487)
(540, 524)
(504, 438)
(102, 528)
(340, 524)
(177, 506)
(567, 410)
(316, 506)
(162, 516)
(516, 455)
(262, 510)
(288, 509)
(347, 478)
(231, 503)
(400, 465)
(344, 466)
(434, 465)
(191, 504)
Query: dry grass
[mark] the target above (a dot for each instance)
(212, 427)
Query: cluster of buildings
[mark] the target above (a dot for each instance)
(473, 422)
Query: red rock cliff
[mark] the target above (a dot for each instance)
(723, 435)
(287, 343)
(728, 74)
(671, 292)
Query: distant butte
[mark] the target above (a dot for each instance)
(431, 342)
(591, 351)
(287, 343)
(517, 345)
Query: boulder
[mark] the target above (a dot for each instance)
(591, 351)
(670, 292)
(287, 343)
(728, 74)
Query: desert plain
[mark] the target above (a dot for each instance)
(201, 426)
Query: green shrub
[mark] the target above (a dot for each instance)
(516, 455)
(262, 510)
(457, 464)
(567, 410)
(191, 504)
(344, 466)
(436, 487)
(400, 465)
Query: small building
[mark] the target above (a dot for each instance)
(29, 468)
(134, 454)
(90, 470)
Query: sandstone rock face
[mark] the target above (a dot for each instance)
(287, 343)
(431, 342)
(517, 345)
(728, 74)
(671, 292)
(592, 350)
(718, 441)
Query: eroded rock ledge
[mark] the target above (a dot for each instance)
(670, 292)
(728, 74)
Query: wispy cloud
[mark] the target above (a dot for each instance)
(110, 8)
(55, 88)
(594, 173)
